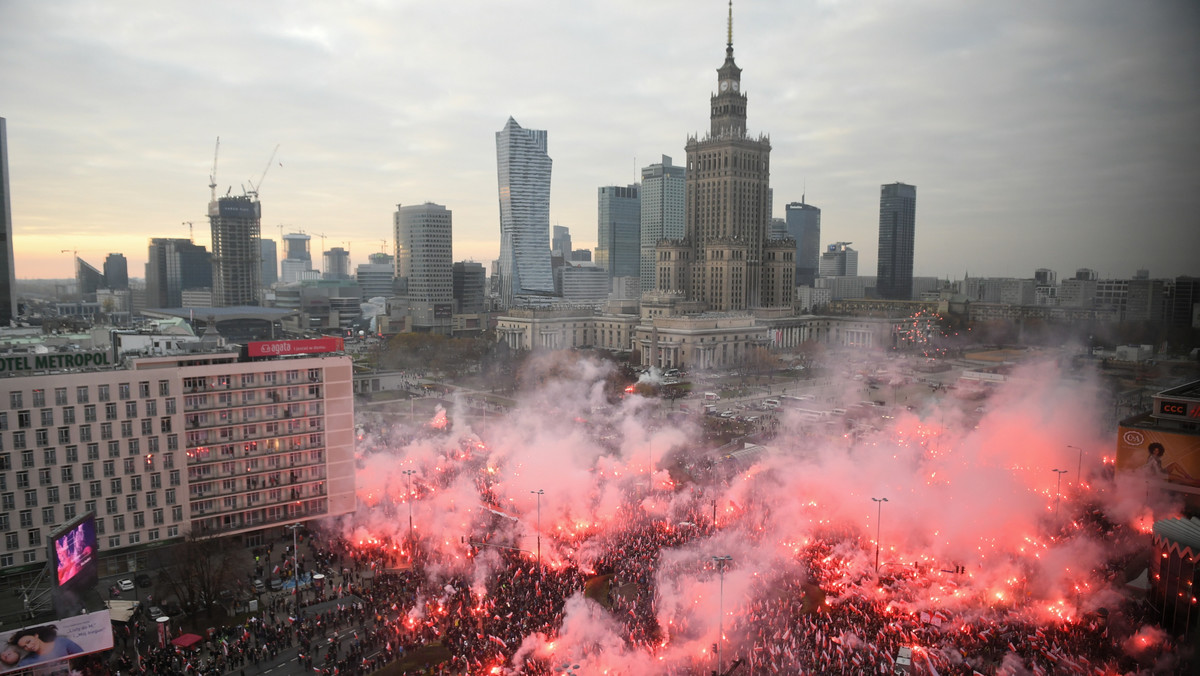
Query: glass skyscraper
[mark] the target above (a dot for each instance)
(662, 213)
(897, 235)
(618, 237)
(523, 169)
(804, 226)
(8, 282)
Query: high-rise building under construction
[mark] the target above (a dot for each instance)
(236, 252)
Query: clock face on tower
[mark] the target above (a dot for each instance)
(724, 86)
(735, 86)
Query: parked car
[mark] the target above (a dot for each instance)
(276, 584)
(125, 585)
(259, 586)
(156, 612)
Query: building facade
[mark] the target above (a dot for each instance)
(173, 265)
(838, 260)
(619, 230)
(726, 259)
(337, 264)
(470, 288)
(804, 225)
(560, 243)
(897, 237)
(116, 272)
(523, 170)
(662, 213)
(425, 262)
(270, 262)
(236, 253)
(377, 279)
(8, 279)
(159, 447)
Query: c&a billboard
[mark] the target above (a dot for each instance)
(1170, 455)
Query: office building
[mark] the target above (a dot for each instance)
(1184, 309)
(237, 269)
(270, 262)
(173, 265)
(425, 263)
(560, 243)
(377, 279)
(297, 263)
(726, 260)
(337, 264)
(88, 278)
(585, 283)
(8, 280)
(523, 169)
(804, 226)
(470, 284)
(897, 235)
(838, 260)
(618, 234)
(161, 446)
(662, 216)
(116, 272)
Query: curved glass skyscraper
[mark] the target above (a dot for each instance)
(524, 176)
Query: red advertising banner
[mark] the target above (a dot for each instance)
(279, 348)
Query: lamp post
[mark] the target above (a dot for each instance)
(878, 529)
(1058, 491)
(721, 562)
(1078, 468)
(409, 473)
(539, 493)
(295, 567)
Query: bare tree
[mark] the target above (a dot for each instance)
(197, 569)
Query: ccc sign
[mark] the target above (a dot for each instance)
(1173, 408)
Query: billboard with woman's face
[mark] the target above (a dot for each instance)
(55, 641)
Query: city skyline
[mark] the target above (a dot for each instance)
(1041, 136)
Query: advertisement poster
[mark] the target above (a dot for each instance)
(55, 641)
(1170, 456)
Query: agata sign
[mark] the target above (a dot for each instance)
(279, 348)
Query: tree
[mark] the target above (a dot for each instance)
(197, 569)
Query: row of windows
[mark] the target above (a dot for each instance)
(114, 541)
(71, 453)
(16, 399)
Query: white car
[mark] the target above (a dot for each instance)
(125, 585)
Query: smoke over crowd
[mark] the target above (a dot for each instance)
(987, 534)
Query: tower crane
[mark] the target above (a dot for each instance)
(322, 236)
(191, 237)
(212, 176)
(253, 193)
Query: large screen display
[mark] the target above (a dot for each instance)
(73, 553)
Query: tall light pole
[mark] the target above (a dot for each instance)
(1058, 491)
(539, 493)
(1078, 468)
(721, 562)
(878, 529)
(295, 567)
(408, 473)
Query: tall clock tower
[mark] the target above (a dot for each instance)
(732, 265)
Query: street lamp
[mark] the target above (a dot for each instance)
(1079, 468)
(878, 529)
(721, 562)
(408, 473)
(1058, 490)
(539, 493)
(295, 567)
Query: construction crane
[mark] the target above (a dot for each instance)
(322, 236)
(75, 260)
(253, 193)
(212, 176)
(191, 237)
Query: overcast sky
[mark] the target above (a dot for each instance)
(1058, 134)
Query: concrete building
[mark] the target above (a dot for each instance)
(377, 279)
(838, 260)
(88, 279)
(619, 230)
(425, 263)
(270, 262)
(523, 169)
(585, 284)
(173, 265)
(897, 237)
(297, 264)
(116, 272)
(236, 252)
(158, 447)
(1017, 291)
(8, 280)
(560, 243)
(662, 214)
(337, 264)
(470, 286)
(803, 223)
(726, 259)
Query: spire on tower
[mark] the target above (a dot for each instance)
(729, 41)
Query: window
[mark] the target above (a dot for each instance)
(144, 389)
(5, 461)
(4, 522)
(126, 428)
(47, 417)
(26, 517)
(135, 446)
(147, 427)
(157, 517)
(22, 479)
(149, 462)
(114, 449)
(129, 466)
(3, 420)
(39, 398)
(68, 512)
(89, 413)
(89, 470)
(164, 425)
(152, 445)
(60, 396)
(48, 515)
(115, 486)
(68, 473)
(49, 457)
(72, 453)
(174, 477)
(135, 538)
(110, 505)
(152, 407)
(152, 534)
(94, 490)
(24, 420)
(81, 394)
(35, 537)
(139, 520)
(172, 531)
(170, 496)
(164, 388)
(64, 435)
(131, 409)
(43, 437)
(44, 477)
(29, 556)
(10, 541)
(110, 411)
(110, 468)
(172, 442)
(102, 393)
(8, 501)
(152, 499)
(31, 497)
(74, 494)
(106, 430)
(123, 391)
(52, 498)
(69, 415)
(114, 541)
(135, 482)
(177, 513)
(131, 502)
(119, 523)
(85, 433)
(14, 400)
(156, 480)
(19, 440)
